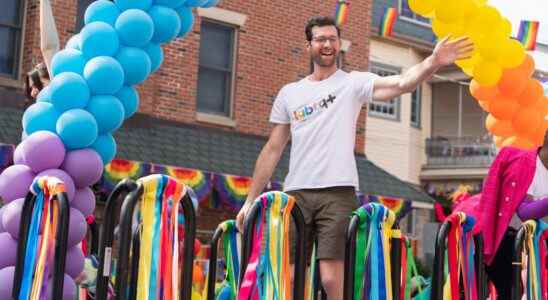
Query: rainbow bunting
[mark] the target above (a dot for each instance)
(119, 169)
(387, 22)
(399, 206)
(341, 13)
(232, 190)
(527, 34)
(199, 181)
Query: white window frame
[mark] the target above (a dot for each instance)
(376, 66)
(411, 19)
(417, 123)
(12, 79)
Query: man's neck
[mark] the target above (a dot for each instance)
(321, 73)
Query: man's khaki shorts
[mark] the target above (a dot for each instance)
(326, 213)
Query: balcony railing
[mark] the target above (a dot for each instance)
(473, 152)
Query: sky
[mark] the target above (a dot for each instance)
(517, 10)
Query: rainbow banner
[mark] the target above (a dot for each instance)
(387, 22)
(199, 181)
(399, 206)
(527, 34)
(6, 156)
(119, 169)
(341, 12)
(232, 190)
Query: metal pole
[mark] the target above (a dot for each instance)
(439, 257)
(350, 258)
(395, 257)
(211, 275)
(517, 289)
(460, 112)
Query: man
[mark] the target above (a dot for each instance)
(320, 112)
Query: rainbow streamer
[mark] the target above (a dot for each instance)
(527, 34)
(387, 22)
(41, 248)
(536, 287)
(341, 12)
(159, 262)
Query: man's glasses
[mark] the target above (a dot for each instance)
(323, 39)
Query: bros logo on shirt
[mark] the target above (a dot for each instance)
(305, 112)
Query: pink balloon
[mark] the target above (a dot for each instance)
(18, 155)
(9, 250)
(15, 182)
(85, 167)
(78, 228)
(84, 201)
(64, 177)
(74, 262)
(1, 224)
(11, 217)
(42, 150)
(6, 281)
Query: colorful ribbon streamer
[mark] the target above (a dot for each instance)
(535, 250)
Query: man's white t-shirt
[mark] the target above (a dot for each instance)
(323, 116)
(539, 187)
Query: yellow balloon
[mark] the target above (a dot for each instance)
(505, 28)
(449, 11)
(499, 140)
(489, 47)
(422, 7)
(441, 29)
(487, 73)
(469, 8)
(468, 65)
(483, 22)
(512, 53)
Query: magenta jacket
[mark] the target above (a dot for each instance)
(504, 188)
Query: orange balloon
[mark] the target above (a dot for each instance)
(482, 92)
(484, 105)
(499, 140)
(513, 82)
(527, 66)
(538, 136)
(518, 142)
(499, 127)
(532, 93)
(503, 108)
(527, 121)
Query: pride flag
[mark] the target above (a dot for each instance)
(387, 22)
(341, 13)
(527, 34)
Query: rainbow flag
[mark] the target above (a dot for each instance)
(399, 206)
(527, 34)
(341, 13)
(387, 22)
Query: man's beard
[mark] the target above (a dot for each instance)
(318, 59)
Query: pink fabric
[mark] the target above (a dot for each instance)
(505, 187)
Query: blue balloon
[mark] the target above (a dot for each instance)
(136, 64)
(167, 23)
(105, 145)
(77, 128)
(99, 39)
(68, 60)
(170, 3)
(69, 90)
(44, 95)
(129, 98)
(108, 111)
(210, 3)
(187, 20)
(156, 55)
(40, 116)
(129, 4)
(73, 42)
(104, 75)
(135, 28)
(195, 3)
(102, 11)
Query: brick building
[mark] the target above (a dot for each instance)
(207, 107)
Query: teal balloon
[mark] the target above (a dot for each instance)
(129, 97)
(99, 39)
(40, 116)
(104, 75)
(108, 111)
(170, 3)
(73, 42)
(156, 55)
(44, 95)
(195, 3)
(187, 20)
(101, 11)
(135, 28)
(69, 90)
(68, 60)
(77, 129)
(105, 145)
(210, 3)
(135, 63)
(167, 23)
(129, 4)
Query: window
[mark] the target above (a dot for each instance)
(82, 6)
(216, 68)
(11, 24)
(416, 107)
(408, 14)
(409, 228)
(385, 109)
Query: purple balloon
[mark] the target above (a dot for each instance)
(69, 289)
(18, 155)
(64, 177)
(85, 167)
(9, 250)
(6, 282)
(78, 228)
(2, 229)
(15, 182)
(84, 201)
(74, 262)
(42, 150)
(11, 217)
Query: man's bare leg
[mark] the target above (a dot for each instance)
(332, 273)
